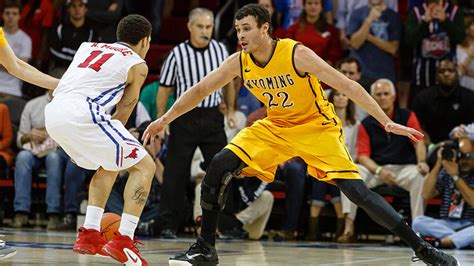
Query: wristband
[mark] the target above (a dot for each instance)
(378, 170)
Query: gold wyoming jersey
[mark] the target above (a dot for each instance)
(290, 99)
(3, 41)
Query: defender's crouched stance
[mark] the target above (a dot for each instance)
(285, 75)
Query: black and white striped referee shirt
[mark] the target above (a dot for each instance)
(187, 65)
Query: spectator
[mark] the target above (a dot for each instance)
(293, 173)
(252, 211)
(201, 127)
(351, 68)
(153, 10)
(374, 32)
(37, 18)
(104, 16)
(432, 30)
(66, 37)
(452, 178)
(344, 11)
(314, 32)
(465, 57)
(296, 7)
(345, 110)
(40, 150)
(390, 159)
(148, 97)
(19, 42)
(278, 30)
(6, 133)
(444, 106)
(319, 190)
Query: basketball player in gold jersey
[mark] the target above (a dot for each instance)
(22, 70)
(285, 75)
(26, 72)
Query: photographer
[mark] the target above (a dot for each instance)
(452, 178)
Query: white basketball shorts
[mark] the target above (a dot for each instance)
(89, 136)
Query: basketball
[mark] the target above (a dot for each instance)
(109, 225)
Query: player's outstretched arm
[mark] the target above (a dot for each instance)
(136, 76)
(215, 80)
(25, 71)
(306, 61)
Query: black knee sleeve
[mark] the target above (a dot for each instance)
(224, 166)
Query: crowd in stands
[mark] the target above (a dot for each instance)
(414, 57)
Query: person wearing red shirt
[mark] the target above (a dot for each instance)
(385, 158)
(37, 17)
(313, 31)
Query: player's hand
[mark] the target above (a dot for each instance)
(155, 129)
(231, 119)
(398, 129)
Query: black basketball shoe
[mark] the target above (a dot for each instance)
(200, 253)
(431, 256)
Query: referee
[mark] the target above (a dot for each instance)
(202, 127)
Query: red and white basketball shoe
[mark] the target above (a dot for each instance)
(124, 250)
(89, 242)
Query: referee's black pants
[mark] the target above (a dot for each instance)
(200, 127)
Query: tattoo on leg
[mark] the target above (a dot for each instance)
(140, 195)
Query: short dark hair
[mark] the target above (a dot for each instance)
(260, 13)
(132, 28)
(12, 4)
(349, 60)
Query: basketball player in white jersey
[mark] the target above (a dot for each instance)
(101, 76)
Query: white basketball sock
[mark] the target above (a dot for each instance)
(93, 217)
(128, 224)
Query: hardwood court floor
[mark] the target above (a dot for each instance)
(54, 248)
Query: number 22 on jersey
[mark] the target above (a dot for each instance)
(282, 99)
(96, 65)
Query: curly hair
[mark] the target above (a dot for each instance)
(132, 28)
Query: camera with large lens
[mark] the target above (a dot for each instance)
(451, 150)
